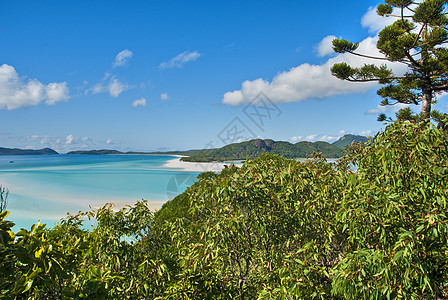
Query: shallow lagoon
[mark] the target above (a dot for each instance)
(46, 187)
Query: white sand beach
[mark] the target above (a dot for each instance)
(195, 166)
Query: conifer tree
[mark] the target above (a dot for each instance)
(416, 39)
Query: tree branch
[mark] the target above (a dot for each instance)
(367, 56)
(442, 87)
(396, 16)
(417, 37)
(371, 79)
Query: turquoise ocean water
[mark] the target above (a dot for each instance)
(46, 187)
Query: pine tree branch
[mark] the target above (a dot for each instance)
(397, 16)
(441, 87)
(371, 79)
(367, 56)
(417, 37)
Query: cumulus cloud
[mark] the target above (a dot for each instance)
(387, 109)
(326, 138)
(122, 58)
(115, 87)
(109, 84)
(70, 139)
(180, 60)
(164, 96)
(300, 138)
(329, 138)
(45, 140)
(16, 92)
(325, 47)
(295, 139)
(139, 102)
(366, 132)
(308, 81)
(64, 144)
(374, 23)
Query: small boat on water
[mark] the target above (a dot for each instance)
(11, 161)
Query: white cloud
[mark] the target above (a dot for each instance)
(64, 144)
(309, 138)
(329, 138)
(311, 81)
(109, 84)
(387, 109)
(164, 96)
(115, 87)
(139, 102)
(56, 92)
(317, 137)
(366, 132)
(325, 47)
(45, 140)
(70, 139)
(180, 60)
(374, 22)
(295, 139)
(16, 92)
(122, 58)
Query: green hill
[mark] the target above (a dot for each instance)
(255, 148)
(348, 139)
(16, 151)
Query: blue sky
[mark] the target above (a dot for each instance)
(169, 75)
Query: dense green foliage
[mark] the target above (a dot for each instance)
(272, 229)
(417, 39)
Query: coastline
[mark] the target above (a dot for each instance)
(194, 166)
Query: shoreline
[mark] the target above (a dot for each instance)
(187, 166)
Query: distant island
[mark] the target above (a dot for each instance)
(96, 152)
(237, 151)
(255, 148)
(16, 151)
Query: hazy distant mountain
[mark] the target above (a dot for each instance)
(16, 151)
(348, 139)
(96, 152)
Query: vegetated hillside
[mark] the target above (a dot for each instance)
(16, 151)
(96, 152)
(274, 228)
(255, 148)
(349, 139)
